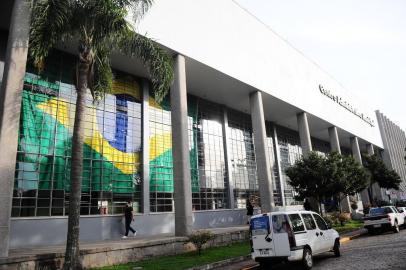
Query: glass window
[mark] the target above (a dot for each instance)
(207, 160)
(309, 222)
(290, 151)
(297, 223)
(320, 222)
(160, 157)
(280, 224)
(242, 155)
(111, 149)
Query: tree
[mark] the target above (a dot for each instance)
(331, 176)
(380, 174)
(353, 177)
(309, 177)
(99, 27)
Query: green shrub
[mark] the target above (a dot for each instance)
(199, 238)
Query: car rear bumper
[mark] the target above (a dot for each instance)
(379, 226)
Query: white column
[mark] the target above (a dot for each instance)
(356, 153)
(334, 141)
(10, 105)
(180, 151)
(261, 153)
(335, 147)
(304, 133)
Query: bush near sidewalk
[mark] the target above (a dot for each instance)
(199, 238)
(351, 225)
(187, 260)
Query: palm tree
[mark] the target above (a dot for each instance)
(99, 27)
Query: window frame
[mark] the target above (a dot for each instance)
(322, 219)
(291, 223)
(315, 225)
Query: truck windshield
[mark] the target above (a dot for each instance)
(380, 211)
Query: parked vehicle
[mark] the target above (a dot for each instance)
(383, 218)
(402, 210)
(291, 236)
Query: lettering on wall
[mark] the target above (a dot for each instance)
(346, 105)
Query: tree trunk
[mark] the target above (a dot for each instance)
(339, 204)
(72, 259)
(370, 194)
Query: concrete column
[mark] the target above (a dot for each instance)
(304, 133)
(227, 158)
(10, 104)
(356, 153)
(278, 163)
(261, 153)
(180, 151)
(375, 189)
(370, 149)
(334, 141)
(335, 147)
(145, 148)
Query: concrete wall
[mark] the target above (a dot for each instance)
(52, 230)
(214, 32)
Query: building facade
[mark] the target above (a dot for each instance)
(245, 105)
(394, 156)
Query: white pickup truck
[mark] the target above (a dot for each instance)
(383, 218)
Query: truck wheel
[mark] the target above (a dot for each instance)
(336, 248)
(396, 227)
(307, 260)
(371, 231)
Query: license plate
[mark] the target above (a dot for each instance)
(264, 252)
(377, 225)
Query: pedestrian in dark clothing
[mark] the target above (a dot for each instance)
(250, 210)
(306, 205)
(129, 217)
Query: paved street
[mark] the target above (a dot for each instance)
(385, 251)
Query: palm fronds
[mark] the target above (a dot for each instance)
(49, 24)
(158, 62)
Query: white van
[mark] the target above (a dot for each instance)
(291, 236)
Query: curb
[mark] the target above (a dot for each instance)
(221, 263)
(356, 234)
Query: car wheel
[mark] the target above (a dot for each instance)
(307, 260)
(396, 227)
(371, 231)
(336, 248)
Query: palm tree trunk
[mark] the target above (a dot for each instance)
(72, 259)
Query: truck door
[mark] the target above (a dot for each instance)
(312, 233)
(325, 235)
(262, 242)
(280, 227)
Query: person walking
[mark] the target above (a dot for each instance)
(250, 210)
(129, 217)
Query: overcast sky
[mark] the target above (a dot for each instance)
(361, 43)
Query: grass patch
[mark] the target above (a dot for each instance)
(351, 225)
(187, 260)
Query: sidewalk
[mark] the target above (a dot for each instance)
(117, 251)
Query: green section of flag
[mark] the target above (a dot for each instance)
(44, 148)
(161, 168)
